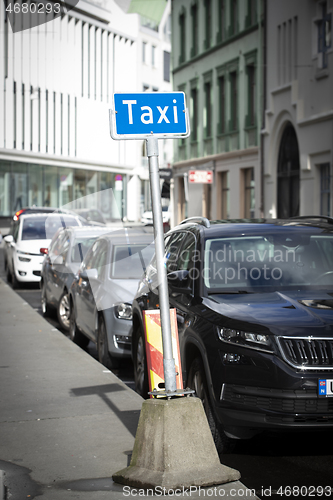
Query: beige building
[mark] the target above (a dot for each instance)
(298, 134)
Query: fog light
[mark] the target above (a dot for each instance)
(22, 273)
(231, 358)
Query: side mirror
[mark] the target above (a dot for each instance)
(89, 274)
(178, 281)
(9, 238)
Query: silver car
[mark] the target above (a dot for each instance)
(65, 255)
(102, 292)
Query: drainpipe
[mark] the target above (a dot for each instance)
(263, 33)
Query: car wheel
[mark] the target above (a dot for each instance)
(197, 382)
(63, 311)
(103, 348)
(140, 365)
(74, 333)
(45, 305)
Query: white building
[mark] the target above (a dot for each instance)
(153, 66)
(56, 85)
(298, 135)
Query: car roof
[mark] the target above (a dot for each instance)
(141, 234)
(50, 215)
(232, 226)
(87, 230)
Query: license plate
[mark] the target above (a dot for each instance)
(325, 387)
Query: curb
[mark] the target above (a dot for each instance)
(2, 485)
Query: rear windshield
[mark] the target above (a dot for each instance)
(129, 262)
(44, 228)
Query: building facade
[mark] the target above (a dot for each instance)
(217, 60)
(298, 133)
(153, 62)
(56, 85)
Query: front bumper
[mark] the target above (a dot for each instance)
(28, 271)
(280, 397)
(119, 332)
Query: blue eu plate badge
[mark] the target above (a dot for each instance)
(325, 387)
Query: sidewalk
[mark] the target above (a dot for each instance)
(66, 423)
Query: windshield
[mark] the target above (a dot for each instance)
(268, 262)
(129, 262)
(44, 228)
(80, 248)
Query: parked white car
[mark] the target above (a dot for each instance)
(147, 217)
(27, 244)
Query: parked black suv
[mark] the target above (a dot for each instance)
(254, 301)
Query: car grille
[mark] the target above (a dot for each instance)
(286, 401)
(307, 353)
(36, 273)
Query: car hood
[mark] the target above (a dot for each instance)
(32, 246)
(290, 313)
(115, 292)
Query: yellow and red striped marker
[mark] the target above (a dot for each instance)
(154, 348)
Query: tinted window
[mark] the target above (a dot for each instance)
(41, 228)
(284, 259)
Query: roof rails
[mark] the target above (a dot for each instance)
(200, 220)
(320, 217)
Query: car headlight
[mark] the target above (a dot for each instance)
(124, 311)
(246, 339)
(23, 259)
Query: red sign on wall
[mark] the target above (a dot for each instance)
(201, 176)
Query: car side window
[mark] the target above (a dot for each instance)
(172, 251)
(89, 261)
(101, 259)
(187, 256)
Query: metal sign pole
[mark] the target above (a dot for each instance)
(168, 360)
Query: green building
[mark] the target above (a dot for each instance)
(217, 60)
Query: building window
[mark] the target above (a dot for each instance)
(166, 66)
(233, 17)
(207, 118)
(221, 84)
(325, 189)
(195, 31)
(251, 96)
(153, 56)
(144, 49)
(182, 37)
(233, 101)
(194, 114)
(221, 21)
(251, 17)
(225, 195)
(208, 22)
(324, 35)
(249, 195)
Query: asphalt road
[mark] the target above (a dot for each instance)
(290, 465)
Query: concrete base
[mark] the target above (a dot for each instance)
(174, 448)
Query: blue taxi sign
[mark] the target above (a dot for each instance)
(145, 113)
